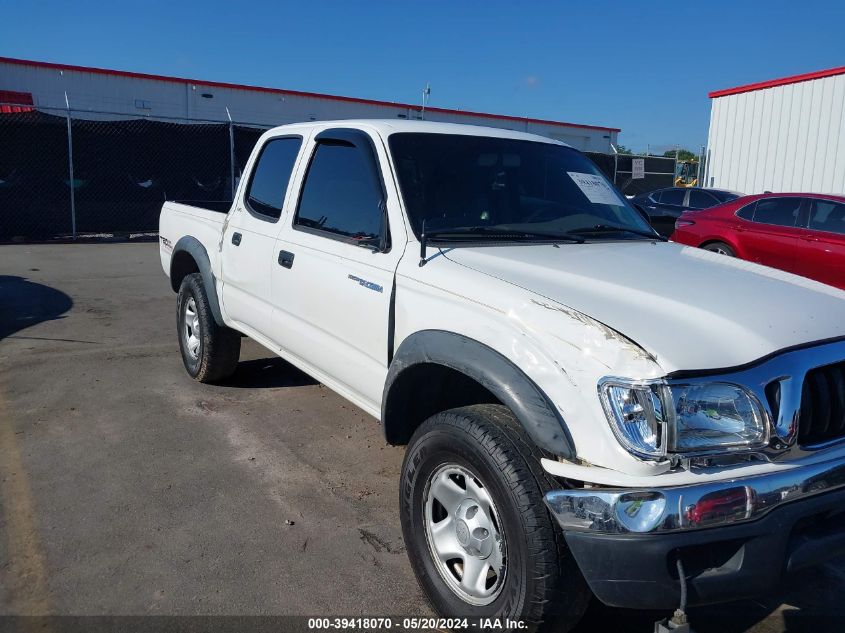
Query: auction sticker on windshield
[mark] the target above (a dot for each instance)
(596, 188)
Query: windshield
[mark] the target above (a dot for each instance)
(455, 180)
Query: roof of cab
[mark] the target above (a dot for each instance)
(386, 127)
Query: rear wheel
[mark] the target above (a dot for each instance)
(719, 247)
(479, 537)
(210, 352)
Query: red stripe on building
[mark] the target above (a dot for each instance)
(794, 79)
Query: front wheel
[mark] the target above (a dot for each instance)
(479, 537)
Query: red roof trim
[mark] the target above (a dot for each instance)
(819, 74)
(315, 95)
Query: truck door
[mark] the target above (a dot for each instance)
(821, 247)
(336, 257)
(250, 235)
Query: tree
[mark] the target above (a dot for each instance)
(621, 149)
(683, 154)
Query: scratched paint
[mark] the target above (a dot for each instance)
(563, 351)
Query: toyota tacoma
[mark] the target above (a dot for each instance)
(588, 409)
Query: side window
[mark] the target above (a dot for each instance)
(673, 196)
(701, 199)
(266, 192)
(747, 212)
(341, 195)
(778, 211)
(826, 215)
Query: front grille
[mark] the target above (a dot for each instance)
(822, 405)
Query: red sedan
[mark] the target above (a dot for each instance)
(802, 233)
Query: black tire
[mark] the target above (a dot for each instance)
(721, 248)
(219, 348)
(541, 584)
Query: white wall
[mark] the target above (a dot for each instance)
(121, 94)
(784, 138)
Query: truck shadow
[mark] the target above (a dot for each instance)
(808, 602)
(24, 303)
(268, 373)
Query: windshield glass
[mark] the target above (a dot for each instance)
(455, 180)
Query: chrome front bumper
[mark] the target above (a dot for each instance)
(691, 507)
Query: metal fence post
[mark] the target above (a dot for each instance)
(231, 153)
(615, 165)
(70, 170)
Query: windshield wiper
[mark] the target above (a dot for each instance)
(613, 228)
(489, 231)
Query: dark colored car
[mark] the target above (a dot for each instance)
(802, 233)
(664, 206)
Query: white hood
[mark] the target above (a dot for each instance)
(689, 308)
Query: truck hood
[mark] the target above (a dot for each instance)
(689, 308)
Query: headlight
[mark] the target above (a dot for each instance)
(716, 415)
(653, 418)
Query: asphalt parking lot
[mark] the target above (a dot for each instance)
(129, 489)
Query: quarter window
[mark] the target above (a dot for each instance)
(778, 211)
(826, 215)
(340, 194)
(270, 178)
(747, 212)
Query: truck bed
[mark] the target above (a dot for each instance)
(198, 220)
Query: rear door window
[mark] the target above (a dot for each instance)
(673, 196)
(778, 211)
(701, 199)
(826, 215)
(265, 195)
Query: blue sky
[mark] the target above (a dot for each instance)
(645, 67)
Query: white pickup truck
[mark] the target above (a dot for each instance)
(587, 407)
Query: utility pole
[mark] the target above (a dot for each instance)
(71, 182)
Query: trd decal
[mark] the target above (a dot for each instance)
(166, 243)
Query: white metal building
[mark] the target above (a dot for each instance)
(95, 90)
(780, 135)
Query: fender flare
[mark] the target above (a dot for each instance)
(536, 413)
(193, 247)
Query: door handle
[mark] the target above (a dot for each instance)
(236, 239)
(285, 259)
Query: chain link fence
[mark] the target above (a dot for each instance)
(69, 174)
(658, 171)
